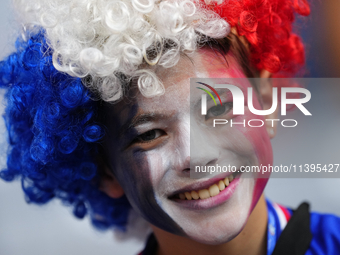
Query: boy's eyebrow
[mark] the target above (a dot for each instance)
(140, 119)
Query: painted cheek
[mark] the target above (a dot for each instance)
(134, 173)
(260, 141)
(259, 137)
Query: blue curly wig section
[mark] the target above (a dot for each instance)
(54, 135)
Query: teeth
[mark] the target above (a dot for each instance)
(188, 195)
(226, 181)
(221, 185)
(204, 193)
(195, 195)
(212, 191)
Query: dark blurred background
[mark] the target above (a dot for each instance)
(321, 33)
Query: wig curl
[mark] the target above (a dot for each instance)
(71, 51)
(53, 134)
(267, 27)
(106, 38)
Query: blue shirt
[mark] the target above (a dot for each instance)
(325, 229)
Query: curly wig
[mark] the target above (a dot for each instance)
(74, 54)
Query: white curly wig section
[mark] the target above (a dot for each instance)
(104, 38)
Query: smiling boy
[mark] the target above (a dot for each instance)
(155, 150)
(100, 115)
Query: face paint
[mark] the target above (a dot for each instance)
(148, 149)
(131, 166)
(257, 136)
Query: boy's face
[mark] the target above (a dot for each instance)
(148, 149)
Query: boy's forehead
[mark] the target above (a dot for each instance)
(176, 81)
(175, 99)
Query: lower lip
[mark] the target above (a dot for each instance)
(202, 204)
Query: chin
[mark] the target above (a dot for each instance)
(218, 224)
(216, 235)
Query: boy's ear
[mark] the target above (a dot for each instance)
(266, 93)
(109, 184)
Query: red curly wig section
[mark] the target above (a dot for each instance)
(267, 26)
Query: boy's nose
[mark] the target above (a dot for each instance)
(181, 161)
(197, 150)
(194, 148)
(202, 151)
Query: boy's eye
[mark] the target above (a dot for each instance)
(219, 110)
(150, 135)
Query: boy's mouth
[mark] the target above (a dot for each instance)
(211, 191)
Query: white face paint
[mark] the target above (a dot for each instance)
(151, 159)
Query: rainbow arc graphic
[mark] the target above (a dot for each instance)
(209, 93)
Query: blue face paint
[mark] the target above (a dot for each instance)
(131, 168)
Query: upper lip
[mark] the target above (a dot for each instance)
(200, 185)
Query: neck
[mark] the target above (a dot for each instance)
(251, 241)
